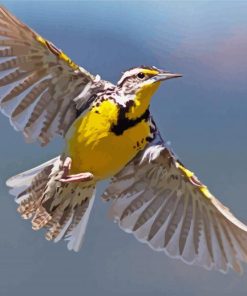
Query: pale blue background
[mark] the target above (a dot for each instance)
(204, 115)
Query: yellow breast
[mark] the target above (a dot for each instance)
(94, 148)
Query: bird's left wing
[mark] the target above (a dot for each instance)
(164, 204)
(45, 88)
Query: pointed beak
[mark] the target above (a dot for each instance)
(166, 75)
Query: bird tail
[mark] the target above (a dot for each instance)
(62, 208)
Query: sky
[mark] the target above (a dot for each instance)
(203, 115)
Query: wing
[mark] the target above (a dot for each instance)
(45, 88)
(164, 205)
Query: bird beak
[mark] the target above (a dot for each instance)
(165, 75)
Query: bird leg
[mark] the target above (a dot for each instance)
(81, 177)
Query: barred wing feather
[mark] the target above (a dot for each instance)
(164, 204)
(43, 83)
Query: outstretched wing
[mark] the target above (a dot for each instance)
(44, 86)
(164, 204)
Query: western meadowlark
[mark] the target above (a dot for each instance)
(108, 132)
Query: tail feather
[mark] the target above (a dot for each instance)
(63, 209)
(40, 218)
(31, 183)
(76, 233)
(27, 176)
(27, 206)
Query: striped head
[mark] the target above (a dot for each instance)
(135, 79)
(137, 85)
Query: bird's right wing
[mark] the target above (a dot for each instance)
(164, 204)
(45, 88)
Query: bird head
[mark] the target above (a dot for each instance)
(139, 84)
(143, 77)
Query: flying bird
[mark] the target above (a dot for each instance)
(108, 132)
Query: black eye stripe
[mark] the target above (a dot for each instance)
(132, 77)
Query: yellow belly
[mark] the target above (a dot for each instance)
(95, 149)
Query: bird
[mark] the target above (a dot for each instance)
(109, 133)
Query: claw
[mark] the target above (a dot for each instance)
(67, 166)
(81, 177)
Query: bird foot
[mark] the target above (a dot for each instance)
(81, 177)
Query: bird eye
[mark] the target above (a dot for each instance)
(141, 75)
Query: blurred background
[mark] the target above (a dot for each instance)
(204, 115)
